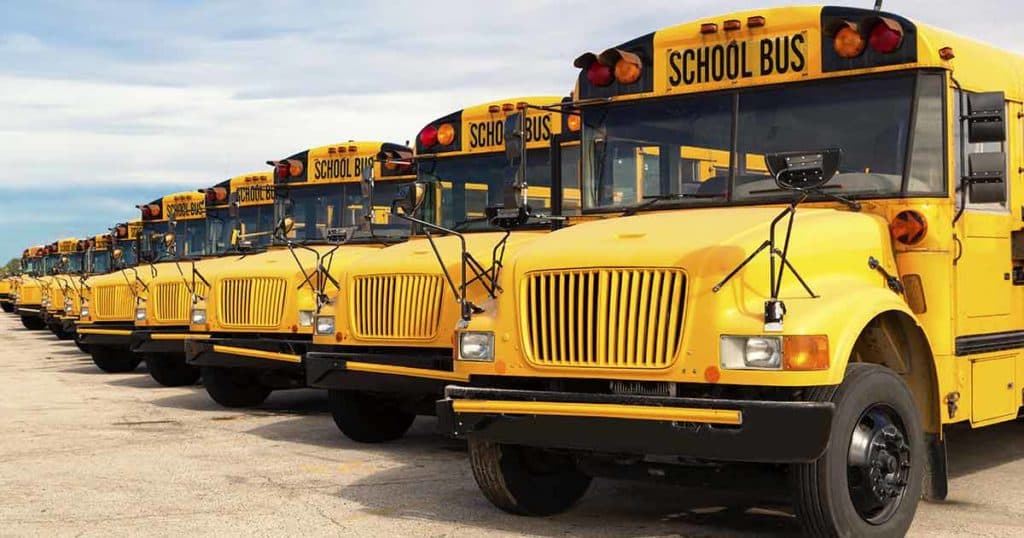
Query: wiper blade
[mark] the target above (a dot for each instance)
(650, 201)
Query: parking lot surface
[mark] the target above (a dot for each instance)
(88, 453)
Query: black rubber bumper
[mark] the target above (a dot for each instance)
(770, 431)
(106, 338)
(330, 370)
(142, 340)
(29, 310)
(217, 352)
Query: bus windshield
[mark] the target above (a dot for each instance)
(75, 261)
(190, 239)
(129, 251)
(684, 147)
(318, 209)
(255, 225)
(31, 265)
(469, 184)
(98, 262)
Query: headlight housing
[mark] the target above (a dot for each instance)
(476, 346)
(198, 316)
(140, 314)
(325, 325)
(793, 353)
(84, 314)
(305, 318)
(751, 352)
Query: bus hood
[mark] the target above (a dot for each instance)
(709, 243)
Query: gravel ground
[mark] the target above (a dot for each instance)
(88, 453)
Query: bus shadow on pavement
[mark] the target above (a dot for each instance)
(320, 431)
(970, 451)
(440, 487)
(283, 402)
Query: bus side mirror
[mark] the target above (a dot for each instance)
(515, 152)
(801, 170)
(409, 198)
(366, 184)
(987, 181)
(233, 205)
(986, 117)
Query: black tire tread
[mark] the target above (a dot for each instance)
(364, 418)
(223, 387)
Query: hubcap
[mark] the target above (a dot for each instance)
(878, 464)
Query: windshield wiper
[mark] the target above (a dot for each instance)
(650, 201)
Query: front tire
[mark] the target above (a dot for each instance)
(8, 307)
(526, 481)
(61, 334)
(33, 323)
(114, 360)
(171, 370)
(365, 418)
(84, 348)
(868, 482)
(234, 387)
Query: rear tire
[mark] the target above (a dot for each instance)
(234, 387)
(526, 481)
(171, 370)
(33, 323)
(114, 360)
(868, 482)
(365, 418)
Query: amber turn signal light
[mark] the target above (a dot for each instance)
(805, 352)
(445, 134)
(909, 227)
(848, 42)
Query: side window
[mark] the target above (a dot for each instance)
(962, 149)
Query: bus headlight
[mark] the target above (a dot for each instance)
(198, 316)
(140, 314)
(305, 318)
(85, 313)
(751, 352)
(325, 325)
(476, 346)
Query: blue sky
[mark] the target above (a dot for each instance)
(108, 104)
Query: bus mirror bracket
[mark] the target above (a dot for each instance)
(805, 174)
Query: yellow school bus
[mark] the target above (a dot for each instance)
(107, 299)
(172, 228)
(63, 286)
(383, 344)
(28, 292)
(6, 289)
(260, 309)
(824, 319)
(238, 221)
(96, 261)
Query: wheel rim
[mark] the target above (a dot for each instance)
(878, 464)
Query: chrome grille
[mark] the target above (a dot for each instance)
(113, 302)
(251, 302)
(603, 318)
(397, 307)
(172, 302)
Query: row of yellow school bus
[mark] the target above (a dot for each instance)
(774, 243)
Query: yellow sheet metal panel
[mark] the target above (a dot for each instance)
(995, 390)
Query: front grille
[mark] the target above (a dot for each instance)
(398, 307)
(172, 302)
(114, 302)
(251, 302)
(30, 294)
(603, 318)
